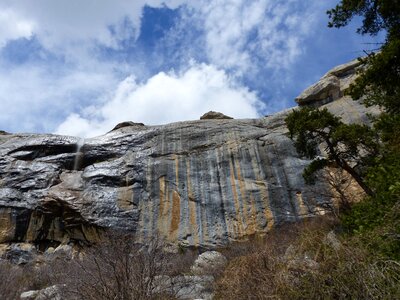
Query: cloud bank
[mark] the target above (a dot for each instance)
(248, 35)
(79, 67)
(165, 98)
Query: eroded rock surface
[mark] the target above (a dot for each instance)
(200, 183)
(331, 86)
(213, 115)
(209, 262)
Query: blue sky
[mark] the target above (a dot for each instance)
(80, 67)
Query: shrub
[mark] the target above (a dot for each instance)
(313, 263)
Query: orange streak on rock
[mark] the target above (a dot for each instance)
(238, 227)
(192, 207)
(242, 189)
(175, 215)
(264, 193)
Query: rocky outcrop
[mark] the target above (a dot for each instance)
(202, 183)
(331, 86)
(212, 115)
(197, 183)
(128, 124)
(209, 262)
(53, 292)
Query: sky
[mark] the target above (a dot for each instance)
(79, 67)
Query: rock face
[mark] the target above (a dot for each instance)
(212, 115)
(331, 86)
(200, 183)
(128, 124)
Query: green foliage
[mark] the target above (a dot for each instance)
(377, 218)
(349, 146)
(312, 168)
(377, 224)
(310, 127)
(380, 82)
(377, 14)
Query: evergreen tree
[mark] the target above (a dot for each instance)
(373, 154)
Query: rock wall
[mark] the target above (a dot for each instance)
(199, 183)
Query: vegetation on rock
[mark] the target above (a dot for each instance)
(309, 261)
(350, 147)
(371, 155)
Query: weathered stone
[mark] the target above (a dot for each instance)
(127, 124)
(304, 264)
(29, 295)
(209, 262)
(198, 183)
(299, 262)
(20, 253)
(50, 293)
(212, 115)
(332, 240)
(202, 183)
(187, 286)
(331, 86)
(345, 69)
(325, 90)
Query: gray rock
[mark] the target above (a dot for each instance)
(29, 295)
(325, 90)
(20, 253)
(50, 293)
(197, 183)
(331, 86)
(299, 262)
(127, 124)
(345, 69)
(186, 286)
(332, 240)
(209, 262)
(212, 115)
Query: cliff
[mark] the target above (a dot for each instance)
(199, 183)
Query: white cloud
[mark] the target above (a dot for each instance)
(13, 26)
(239, 37)
(36, 98)
(38, 95)
(247, 35)
(168, 97)
(72, 27)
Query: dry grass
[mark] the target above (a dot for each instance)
(305, 264)
(15, 279)
(116, 268)
(293, 262)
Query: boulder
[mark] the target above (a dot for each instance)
(20, 253)
(187, 286)
(332, 241)
(50, 293)
(209, 262)
(299, 262)
(213, 115)
(127, 124)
